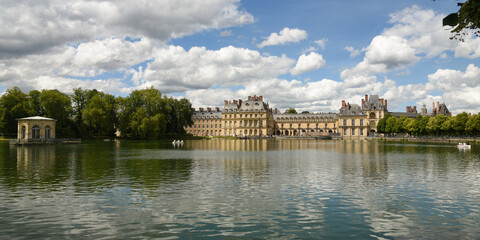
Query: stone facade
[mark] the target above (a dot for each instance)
(249, 118)
(305, 124)
(356, 121)
(254, 118)
(36, 129)
(206, 123)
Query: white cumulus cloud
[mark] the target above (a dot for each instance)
(35, 26)
(285, 36)
(176, 69)
(307, 63)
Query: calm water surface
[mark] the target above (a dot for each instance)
(229, 189)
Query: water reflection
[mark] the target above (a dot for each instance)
(240, 188)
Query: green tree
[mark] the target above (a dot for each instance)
(14, 104)
(460, 122)
(58, 106)
(147, 114)
(79, 101)
(408, 125)
(467, 17)
(391, 125)
(34, 103)
(99, 115)
(434, 125)
(472, 127)
(448, 126)
(291, 111)
(382, 123)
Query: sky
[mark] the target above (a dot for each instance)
(306, 54)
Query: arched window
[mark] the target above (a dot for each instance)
(24, 132)
(47, 132)
(36, 132)
(372, 115)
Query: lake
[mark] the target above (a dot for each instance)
(230, 189)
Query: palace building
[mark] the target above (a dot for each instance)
(254, 118)
(305, 124)
(360, 121)
(250, 118)
(206, 122)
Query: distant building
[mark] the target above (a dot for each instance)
(356, 121)
(36, 129)
(206, 122)
(424, 110)
(411, 112)
(254, 118)
(305, 124)
(440, 109)
(249, 118)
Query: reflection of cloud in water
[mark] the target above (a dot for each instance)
(251, 189)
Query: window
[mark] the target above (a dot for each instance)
(316, 125)
(325, 125)
(344, 122)
(353, 122)
(344, 132)
(290, 125)
(24, 130)
(282, 125)
(361, 123)
(36, 132)
(353, 132)
(47, 132)
(361, 131)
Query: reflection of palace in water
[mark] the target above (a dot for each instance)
(255, 118)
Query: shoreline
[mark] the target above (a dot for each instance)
(427, 139)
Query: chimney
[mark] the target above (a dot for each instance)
(200, 109)
(254, 97)
(438, 107)
(225, 102)
(385, 104)
(343, 103)
(209, 109)
(348, 106)
(235, 102)
(260, 98)
(249, 98)
(217, 109)
(408, 109)
(366, 98)
(415, 109)
(240, 102)
(363, 102)
(193, 109)
(276, 111)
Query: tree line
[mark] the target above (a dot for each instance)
(144, 114)
(462, 124)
